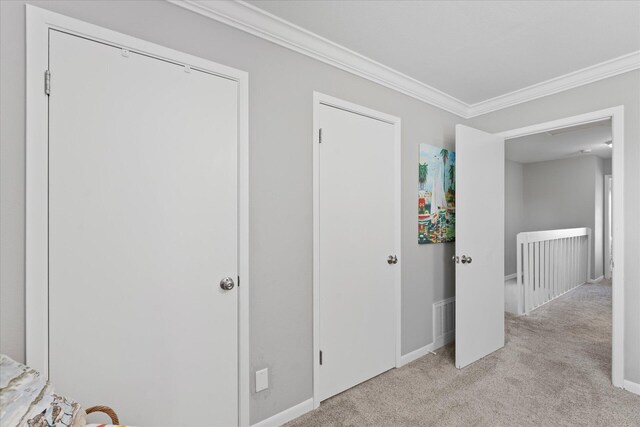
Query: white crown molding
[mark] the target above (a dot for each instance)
(260, 23)
(577, 78)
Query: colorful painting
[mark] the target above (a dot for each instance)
(436, 195)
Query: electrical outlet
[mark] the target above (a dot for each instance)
(262, 380)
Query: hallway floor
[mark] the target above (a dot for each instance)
(554, 370)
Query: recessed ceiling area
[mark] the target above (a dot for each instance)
(561, 144)
(473, 50)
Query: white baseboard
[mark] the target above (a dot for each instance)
(632, 387)
(444, 340)
(596, 280)
(416, 354)
(423, 351)
(287, 415)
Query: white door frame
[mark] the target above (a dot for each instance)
(39, 22)
(616, 114)
(608, 191)
(322, 99)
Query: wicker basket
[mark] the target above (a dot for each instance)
(105, 410)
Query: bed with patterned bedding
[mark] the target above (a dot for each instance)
(27, 399)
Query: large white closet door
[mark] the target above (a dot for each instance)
(142, 228)
(356, 237)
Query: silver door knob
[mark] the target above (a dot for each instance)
(227, 283)
(455, 259)
(392, 259)
(465, 259)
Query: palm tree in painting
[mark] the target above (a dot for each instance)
(445, 157)
(452, 175)
(422, 174)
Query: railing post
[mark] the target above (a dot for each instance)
(527, 282)
(550, 263)
(519, 281)
(588, 255)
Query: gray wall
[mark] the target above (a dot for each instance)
(620, 90)
(559, 193)
(514, 213)
(281, 86)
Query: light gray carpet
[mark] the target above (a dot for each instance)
(553, 371)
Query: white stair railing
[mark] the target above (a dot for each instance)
(551, 263)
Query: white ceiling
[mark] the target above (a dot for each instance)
(473, 50)
(545, 146)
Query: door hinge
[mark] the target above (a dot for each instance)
(320, 136)
(47, 82)
(321, 357)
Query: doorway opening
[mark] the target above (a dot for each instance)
(554, 213)
(562, 216)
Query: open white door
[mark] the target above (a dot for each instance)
(479, 244)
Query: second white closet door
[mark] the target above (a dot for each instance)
(357, 288)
